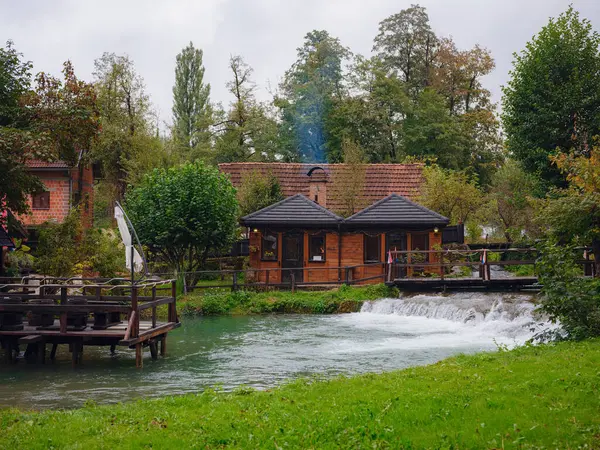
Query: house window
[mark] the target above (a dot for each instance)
(41, 200)
(372, 248)
(316, 247)
(269, 246)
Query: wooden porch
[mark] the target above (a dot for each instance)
(40, 312)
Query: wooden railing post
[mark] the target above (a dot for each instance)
(293, 281)
(267, 276)
(135, 331)
(172, 311)
(442, 268)
(63, 315)
(234, 285)
(154, 307)
(347, 276)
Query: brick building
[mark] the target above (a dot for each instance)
(63, 185)
(303, 235)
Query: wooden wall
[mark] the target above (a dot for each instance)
(326, 271)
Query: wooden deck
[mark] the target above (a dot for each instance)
(80, 312)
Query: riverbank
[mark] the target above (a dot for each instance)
(344, 299)
(531, 397)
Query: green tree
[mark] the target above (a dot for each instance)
(450, 193)
(510, 199)
(247, 132)
(553, 97)
(573, 214)
(258, 191)
(430, 131)
(350, 179)
(16, 182)
(373, 117)
(307, 92)
(58, 119)
(407, 46)
(192, 111)
(126, 117)
(184, 213)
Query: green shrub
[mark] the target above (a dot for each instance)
(567, 297)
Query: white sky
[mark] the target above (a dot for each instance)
(265, 32)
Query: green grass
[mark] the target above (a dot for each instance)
(532, 397)
(342, 299)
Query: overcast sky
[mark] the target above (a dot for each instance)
(265, 32)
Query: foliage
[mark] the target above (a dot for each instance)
(192, 111)
(406, 45)
(57, 119)
(568, 298)
(452, 194)
(510, 199)
(258, 191)
(351, 179)
(66, 249)
(573, 214)
(307, 93)
(127, 133)
(553, 97)
(342, 299)
(532, 397)
(248, 132)
(183, 213)
(18, 259)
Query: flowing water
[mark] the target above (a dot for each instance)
(263, 351)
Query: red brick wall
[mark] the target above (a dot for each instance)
(58, 185)
(62, 185)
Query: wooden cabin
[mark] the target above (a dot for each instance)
(297, 237)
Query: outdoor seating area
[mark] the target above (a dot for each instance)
(36, 312)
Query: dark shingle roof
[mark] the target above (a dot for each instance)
(297, 210)
(396, 210)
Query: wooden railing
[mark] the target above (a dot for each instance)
(439, 263)
(66, 298)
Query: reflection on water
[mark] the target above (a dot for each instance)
(265, 350)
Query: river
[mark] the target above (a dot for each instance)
(263, 351)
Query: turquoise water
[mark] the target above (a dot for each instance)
(264, 351)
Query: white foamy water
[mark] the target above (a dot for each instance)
(456, 320)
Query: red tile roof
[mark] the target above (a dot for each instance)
(381, 180)
(39, 164)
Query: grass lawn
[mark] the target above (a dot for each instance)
(532, 397)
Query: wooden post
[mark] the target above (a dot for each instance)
(267, 277)
(293, 281)
(347, 275)
(153, 349)
(135, 331)
(154, 307)
(172, 308)
(234, 285)
(53, 351)
(163, 345)
(442, 268)
(139, 361)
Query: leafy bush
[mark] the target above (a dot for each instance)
(567, 297)
(65, 249)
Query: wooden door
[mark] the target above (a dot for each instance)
(396, 240)
(292, 256)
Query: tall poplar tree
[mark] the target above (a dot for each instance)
(191, 105)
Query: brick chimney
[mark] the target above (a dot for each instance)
(317, 186)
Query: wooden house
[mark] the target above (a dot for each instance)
(314, 245)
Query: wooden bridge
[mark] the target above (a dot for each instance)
(36, 312)
(437, 269)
